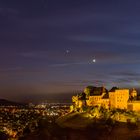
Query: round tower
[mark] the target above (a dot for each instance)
(133, 93)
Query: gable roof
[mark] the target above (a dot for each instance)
(97, 91)
(106, 96)
(113, 89)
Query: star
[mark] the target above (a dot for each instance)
(67, 51)
(94, 60)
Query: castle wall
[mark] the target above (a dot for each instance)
(119, 98)
(105, 103)
(134, 105)
(94, 100)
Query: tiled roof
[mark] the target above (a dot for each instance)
(98, 91)
(106, 96)
(113, 89)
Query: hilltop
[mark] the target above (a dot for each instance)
(75, 120)
(99, 123)
(98, 115)
(4, 102)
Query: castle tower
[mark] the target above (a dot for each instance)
(103, 90)
(133, 93)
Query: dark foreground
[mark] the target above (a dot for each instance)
(121, 131)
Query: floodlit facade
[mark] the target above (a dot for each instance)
(119, 98)
(99, 97)
(114, 99)
(135, 106)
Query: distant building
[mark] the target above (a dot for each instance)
(115, 98)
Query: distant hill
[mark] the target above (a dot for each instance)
(4, 102)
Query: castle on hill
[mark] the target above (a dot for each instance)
(114, 99)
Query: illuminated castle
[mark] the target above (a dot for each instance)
(115, 98)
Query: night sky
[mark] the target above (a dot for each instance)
(50, 47)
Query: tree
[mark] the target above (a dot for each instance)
(71, 108)
(82, 96)
(88, 90)
(74, 99)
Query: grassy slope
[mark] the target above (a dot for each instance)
(75, 120)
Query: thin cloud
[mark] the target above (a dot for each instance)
(33, 54)
(69, 64)
(104, 39)
(130, 74)
(10, 69)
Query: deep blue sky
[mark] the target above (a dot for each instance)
(36, 34)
